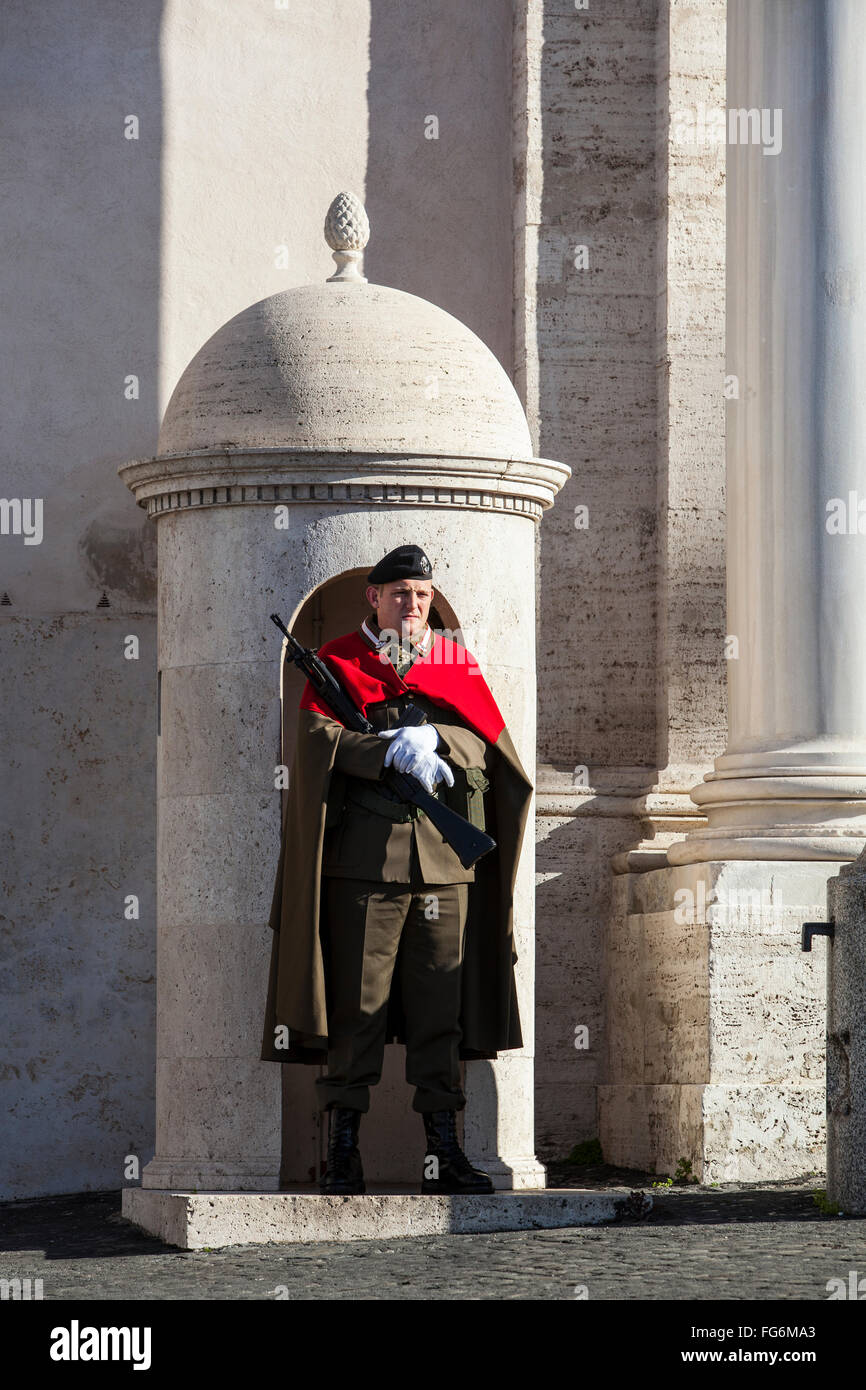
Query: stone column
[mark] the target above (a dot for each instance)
(716, 1018)
(792, 781)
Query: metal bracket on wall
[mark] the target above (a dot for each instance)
(811, 929)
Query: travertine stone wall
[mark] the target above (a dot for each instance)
(621, 362)
(718, 1053)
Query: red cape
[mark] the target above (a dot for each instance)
(448, 675)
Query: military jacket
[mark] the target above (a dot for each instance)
(369, 832)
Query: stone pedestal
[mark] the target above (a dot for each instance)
(194, 1221)
(715, 1021)
(846, 1041)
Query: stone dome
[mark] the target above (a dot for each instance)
(345, 394)
(346, 366)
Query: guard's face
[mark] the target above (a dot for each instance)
(402, 605)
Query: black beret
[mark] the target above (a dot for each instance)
(406, 562)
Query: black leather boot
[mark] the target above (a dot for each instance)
(452, 1171)
(344, 1173)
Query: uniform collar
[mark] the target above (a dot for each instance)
(371, 632)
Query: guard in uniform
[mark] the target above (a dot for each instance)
(394, 897)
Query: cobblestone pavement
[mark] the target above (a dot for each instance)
(737, 1241)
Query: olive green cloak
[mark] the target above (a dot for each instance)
(296, 1020)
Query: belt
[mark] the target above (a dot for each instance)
(397, 811)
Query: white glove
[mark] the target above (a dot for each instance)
(409, 744)
(412, 751)
(429, 768)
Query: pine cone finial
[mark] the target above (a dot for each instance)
(347, 231)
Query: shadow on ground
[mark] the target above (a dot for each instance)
(89, 1225)
(693, 1203)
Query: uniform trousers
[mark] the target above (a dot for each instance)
(369, 929)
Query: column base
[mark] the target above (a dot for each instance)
(745, 1133)
(517, 1175)
(197, 1175)
(809, 813)
(716, 1021)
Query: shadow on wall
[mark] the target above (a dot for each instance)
(439, 175)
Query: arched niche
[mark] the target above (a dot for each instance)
(391, 1129)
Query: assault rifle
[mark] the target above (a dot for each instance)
(468, 842)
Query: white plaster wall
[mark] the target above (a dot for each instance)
(273, 111)
(80, 213)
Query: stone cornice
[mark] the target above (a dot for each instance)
(226, 477)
